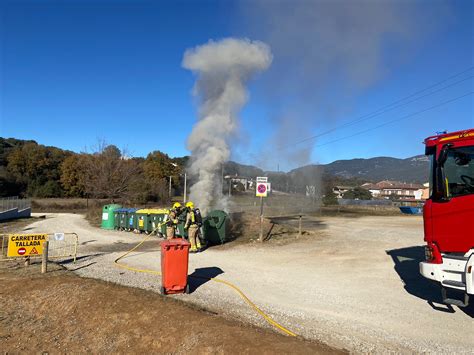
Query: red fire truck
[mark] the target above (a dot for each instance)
(448, 216)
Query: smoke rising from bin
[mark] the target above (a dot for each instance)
(222, 68)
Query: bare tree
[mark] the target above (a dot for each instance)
(109, 173)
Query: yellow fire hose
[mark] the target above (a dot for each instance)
(227, 283)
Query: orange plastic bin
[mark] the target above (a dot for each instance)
(174, 266)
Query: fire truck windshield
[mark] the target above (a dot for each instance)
(459, 171)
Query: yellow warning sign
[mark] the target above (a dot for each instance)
(26, 244)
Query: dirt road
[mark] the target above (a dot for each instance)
(354, 284)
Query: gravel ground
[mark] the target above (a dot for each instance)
(119, 320)
(352, 285)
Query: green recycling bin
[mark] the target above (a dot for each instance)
(131, 224)
(117, 213)
(120, 215)
(143, 221)
(157, 217)
(123, 218)
(161, 216)
(108, 218)
(216, 227)
(180, 231)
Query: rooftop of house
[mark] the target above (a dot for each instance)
(388, 185)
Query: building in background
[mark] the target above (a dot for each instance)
(339, 191)
(395, 190)
(426, 191)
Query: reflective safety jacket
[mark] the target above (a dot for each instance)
(190, 219)
(172, 218)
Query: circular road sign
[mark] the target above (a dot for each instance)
(21, 251)
(262, 188)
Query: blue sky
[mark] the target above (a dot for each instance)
(73, 72)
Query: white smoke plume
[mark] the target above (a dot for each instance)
(222, 68)
(327, 54)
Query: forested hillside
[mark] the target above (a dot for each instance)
(414, 169)
(34, 170)
(30, 169)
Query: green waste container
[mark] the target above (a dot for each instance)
(216, 227)
(131, 220)
(161, 216)
(143, 221)
(120, 218)
(123, 218)
(108, 218)
(157, 216)
(180, 231)
(117, 218)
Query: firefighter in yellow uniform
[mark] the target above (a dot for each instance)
(193, 223)
(172, 221)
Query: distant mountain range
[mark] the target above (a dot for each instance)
(414, 169)
(353, 171)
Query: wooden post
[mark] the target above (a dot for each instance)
(44, 258)
(299, 229)
(75, 248)
(261, 220)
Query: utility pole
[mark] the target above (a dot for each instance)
(169, 191)
(185, 186)
(222, 174)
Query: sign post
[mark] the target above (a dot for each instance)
(262, 191)
(44, 258)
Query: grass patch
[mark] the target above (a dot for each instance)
(15, 225)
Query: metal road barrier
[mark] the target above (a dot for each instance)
(61, 245)
(8, 203)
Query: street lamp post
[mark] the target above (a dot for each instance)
(169, 190)
(185, 186)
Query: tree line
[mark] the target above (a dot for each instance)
(29, 169)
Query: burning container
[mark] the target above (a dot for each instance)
(216, 227)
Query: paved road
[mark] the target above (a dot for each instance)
(354, 284)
